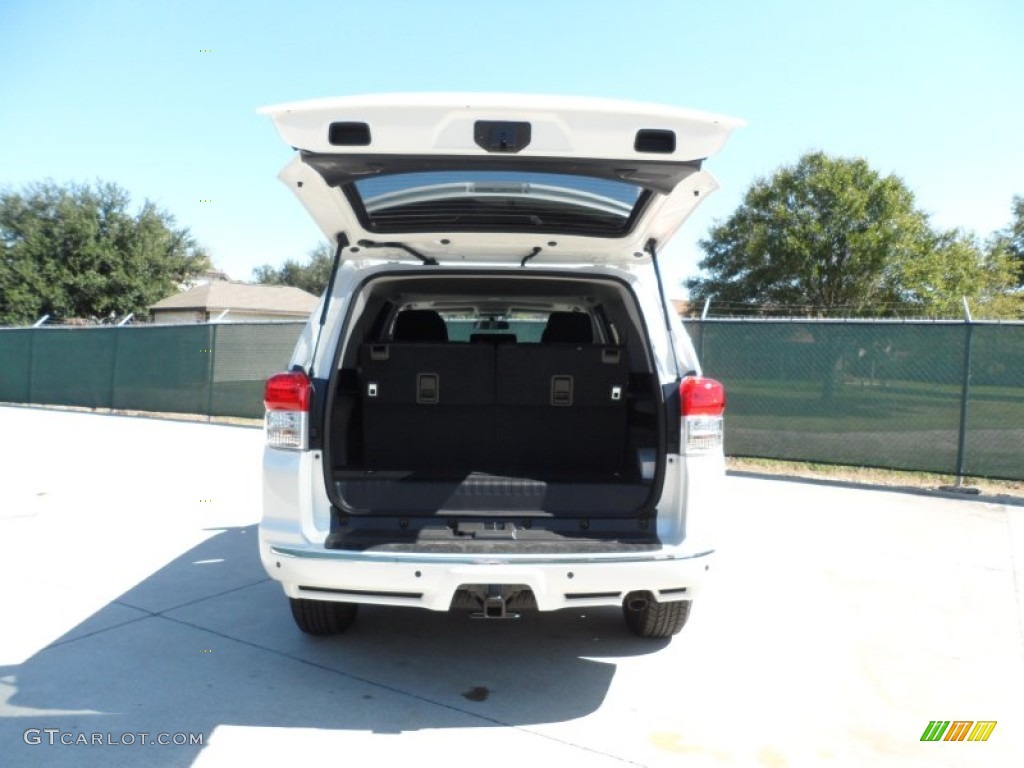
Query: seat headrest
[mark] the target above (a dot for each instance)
(419, 325)
(568, 328)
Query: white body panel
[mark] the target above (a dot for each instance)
(431, 582)
(562, 127)
(297, 509)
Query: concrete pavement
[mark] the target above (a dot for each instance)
(838, 624)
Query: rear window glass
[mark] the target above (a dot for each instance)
(526, 327)
(503, 201)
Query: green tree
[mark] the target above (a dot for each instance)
(311, 276)
(1010, 240)
(78, 251)
(829, 235)
(953, 265)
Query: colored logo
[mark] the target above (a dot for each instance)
(958, 730)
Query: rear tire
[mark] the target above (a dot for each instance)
(655, 619)
(322, 617)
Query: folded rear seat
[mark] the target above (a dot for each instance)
(427, 406)
(561, 408)
(540, 410)
(561, 403)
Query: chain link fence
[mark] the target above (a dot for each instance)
(943, 397)
(210, 369)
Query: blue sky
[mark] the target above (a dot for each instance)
(124, 92)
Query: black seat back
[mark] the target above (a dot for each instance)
(426, 406)
(568, 328)
(419, 325)
(562, 408)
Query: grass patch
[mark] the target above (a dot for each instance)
(860, 406)
(871, 476)
(234, 421)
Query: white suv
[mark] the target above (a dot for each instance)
(494, 407)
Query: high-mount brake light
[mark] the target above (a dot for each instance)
(287, 398)
(701, 404)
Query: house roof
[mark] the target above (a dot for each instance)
(215, 296)
(681, 306)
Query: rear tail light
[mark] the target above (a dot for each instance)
(286, 397)
(702, 403)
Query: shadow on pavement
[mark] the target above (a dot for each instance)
(208, 640)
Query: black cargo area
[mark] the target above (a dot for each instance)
(525, 534)
(562, 427)
(411, 493)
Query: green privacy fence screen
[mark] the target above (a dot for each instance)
(215, 369)
(869, 393)
(939, 397)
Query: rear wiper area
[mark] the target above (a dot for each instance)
(428, 260)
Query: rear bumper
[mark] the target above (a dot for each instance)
(430, 581)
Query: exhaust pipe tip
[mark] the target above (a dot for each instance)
(637, 601)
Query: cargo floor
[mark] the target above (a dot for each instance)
(397, 493)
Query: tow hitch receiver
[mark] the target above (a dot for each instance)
(493, 601)
(494, 605)
(494, 608)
